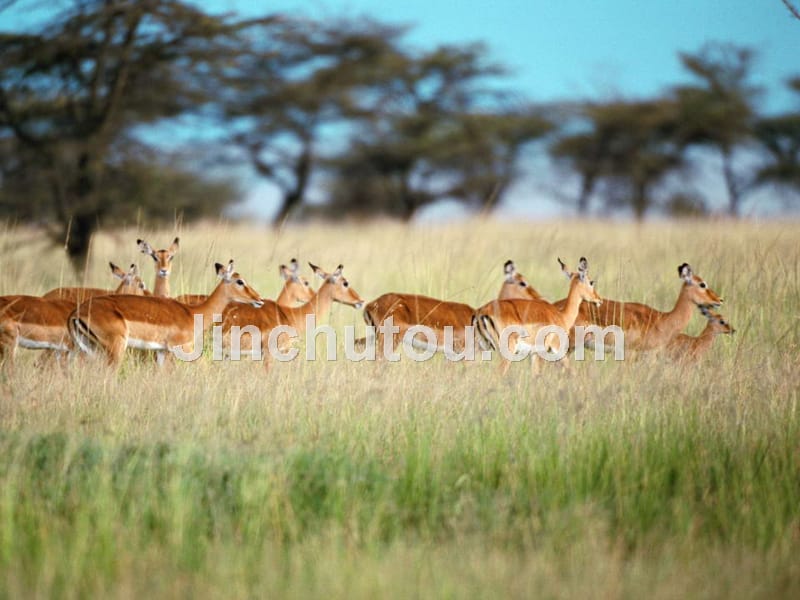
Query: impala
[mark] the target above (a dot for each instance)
(41, 323)
(334, 288)
(533, 316)
(646, 328)
(130, 283)
(409, 310)
(163, 264)
(112, 323)
(296, 290)
(685, 347)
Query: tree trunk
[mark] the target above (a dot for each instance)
(294, 197)
(494, 195)
(289, 201)
(734, 195)
(82, 214)
(78, 240)
(639, 201)
(408, 199)
(587, 187)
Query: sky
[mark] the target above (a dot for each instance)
(574, 49)
(586, 48)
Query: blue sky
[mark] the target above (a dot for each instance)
(587, 48)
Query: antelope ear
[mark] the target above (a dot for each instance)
(337, 273)
(583, 268)
(284, 272)
(144, 247)
(317, 271)
(564, 269)
(175, 245)
(685, 272)
(509, 269)
(116, 271)
(222, 271)
(294, 265)
(133, 271)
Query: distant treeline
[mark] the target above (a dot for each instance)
(376, 125)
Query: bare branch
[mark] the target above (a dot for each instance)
(795, 12)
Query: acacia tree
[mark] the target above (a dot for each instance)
(779, 135)
(284, 95)
(624, 148)
(71, 89)
(584, 152)
(719, 112)
(642, 149)
(435, 130)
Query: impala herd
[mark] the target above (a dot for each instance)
(93, 321)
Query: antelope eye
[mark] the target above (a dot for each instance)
(307, 284)
(722, 322)
(591, 283)
(523, 284)
(703, 284)
(240, 282)
(345, 284)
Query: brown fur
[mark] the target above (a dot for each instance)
(112, 323)
(534, 315)
(409, 310)
(647, 328)
(335, 288)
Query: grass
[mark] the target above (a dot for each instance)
(348, 480)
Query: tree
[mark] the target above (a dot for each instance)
(642, 149)
(436, 130)
(719, 112)
(138, 181)
(307, 78)
(584, 152)
(71, 90)
(780, 137)
(628, 147)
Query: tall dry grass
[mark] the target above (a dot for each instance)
(619, 479)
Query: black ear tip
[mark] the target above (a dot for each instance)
(218, 266)
(340, 267)
(176, 240)
(508, 262)
(138, 241)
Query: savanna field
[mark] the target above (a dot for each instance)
(640, 478)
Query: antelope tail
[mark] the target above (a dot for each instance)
(368, 319)
(486, 328)
(83, 336)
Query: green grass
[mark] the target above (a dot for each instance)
(631, 479)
